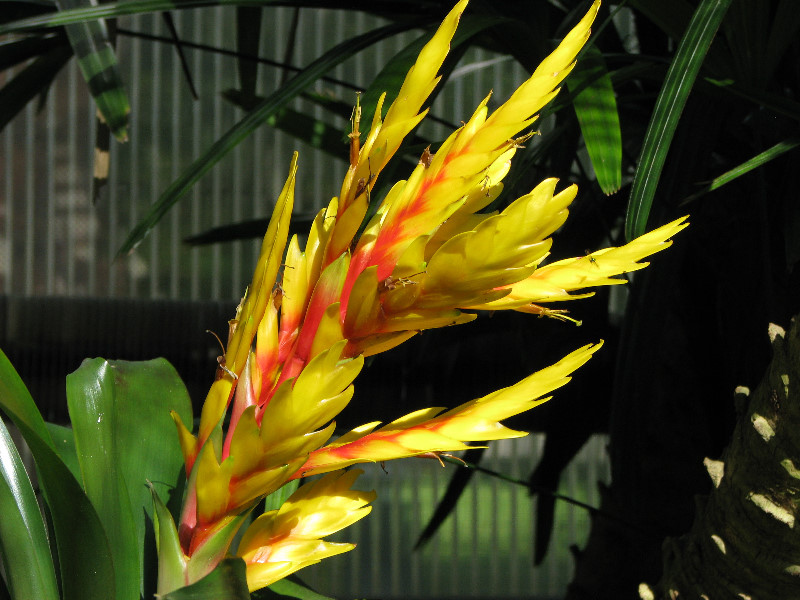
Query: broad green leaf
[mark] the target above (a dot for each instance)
(84, 555)
(125, 437)
(666, 114)
(27, 564)
(249, 124)
(227, 581)
(292, 589)
(98, 65)
(596, 108)
(64, 441)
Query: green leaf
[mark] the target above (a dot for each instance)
(249, 124)
(276, 499)
(213, 551)
(666, 114)
(227, 581)
(27, 564)
(98, 65)
(747, 166)
(313, 132)
(171, 560)
(33, 80)
(596, 108)
(135, 7)
(285, 587)
(124, 436)
(16, 51)
(64, 441)
(84, 555)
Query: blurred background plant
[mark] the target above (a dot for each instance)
(677, 107)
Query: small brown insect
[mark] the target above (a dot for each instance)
(277, 296)
(392, 283)
(355, 134)
(426, 158)
(221, 359)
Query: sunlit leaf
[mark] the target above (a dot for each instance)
(666, 114)
(596, 108)
(227, 581)
(27, 564)
(136, 7)
(124, 436)
(171, 560)
(87, 572)
(314, 132)
(98, 64)
(290, 589)
(64, 440)
(747, 166)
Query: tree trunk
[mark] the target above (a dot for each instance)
(743, 543)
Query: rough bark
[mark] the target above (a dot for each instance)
(745, 542)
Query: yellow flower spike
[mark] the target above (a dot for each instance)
(296, 287)
(260, 290)
(418, 319)
(247, 448)
(293, 534)
(288, 449)
(213, 487)
(329, 331)
(476, 420)
(327, 291)
(554, 282)
(318, 237)
(375, 344)
(438, 190)
(542, 211)
(187, 441)
(516, 113)
(214, 408)
(259, 484)
(427, 431)
(385, 137)
(319, 393)
(263, 372)
(364, 309)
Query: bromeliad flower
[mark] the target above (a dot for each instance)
(428, 258)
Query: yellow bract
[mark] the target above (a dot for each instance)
(282, 541)
(427, 431)
(553, 282)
